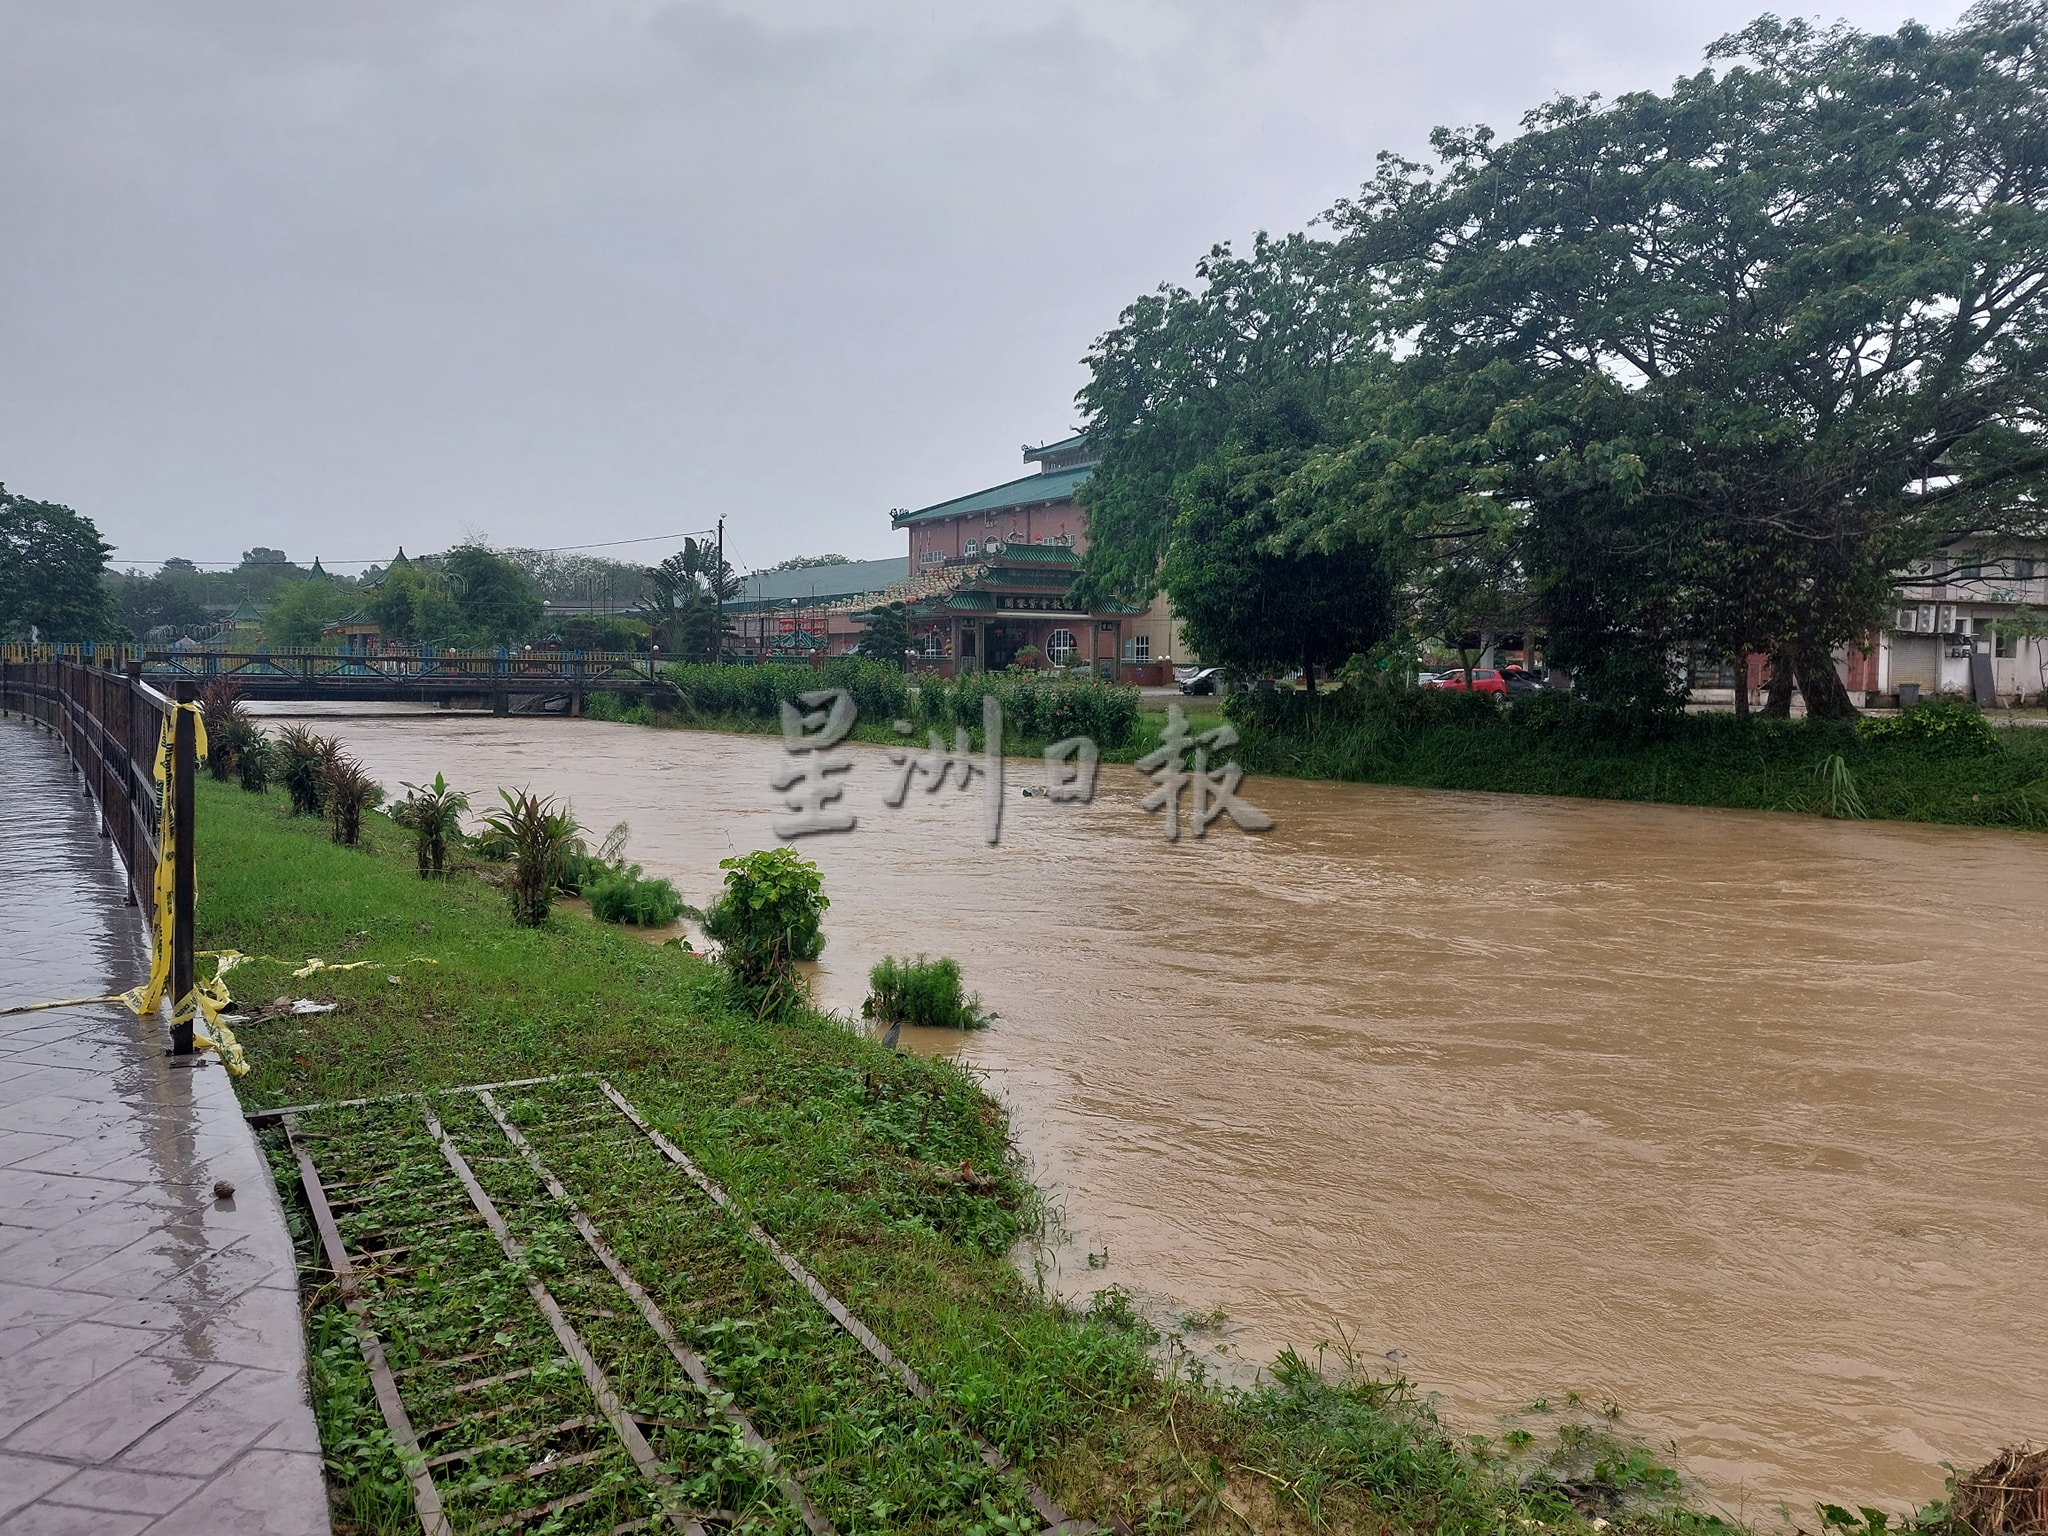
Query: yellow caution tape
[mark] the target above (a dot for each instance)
(315, 965)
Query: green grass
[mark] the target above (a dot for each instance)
(892, 1177)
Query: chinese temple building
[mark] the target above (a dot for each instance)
(991, 575)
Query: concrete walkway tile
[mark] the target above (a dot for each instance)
(16, 1145)
(266, 1493)
(262, 1326)
(300, 1432)
(236, 1413)
(38, 1082)
(63, 1255)
(62, 1363)
(29, 1312)
(25, 1195)
(68, 1520)
(24, 1479)
(133, 1493)
(104, 1419)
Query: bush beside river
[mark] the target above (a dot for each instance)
(1943, 762)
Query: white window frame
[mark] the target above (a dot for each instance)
(1061, 655)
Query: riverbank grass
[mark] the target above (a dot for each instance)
(891, 1177)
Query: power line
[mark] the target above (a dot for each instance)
(559, 549)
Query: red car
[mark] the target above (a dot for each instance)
(1484, 680)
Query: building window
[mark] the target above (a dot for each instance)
(1970, 566)
(934, 643)
(2022, 568)
(931, 557)
(1060, 647)
(2003, 644)
(1138, 648)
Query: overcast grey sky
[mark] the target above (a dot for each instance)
(333, 278)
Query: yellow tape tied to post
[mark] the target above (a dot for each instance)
(207, 999)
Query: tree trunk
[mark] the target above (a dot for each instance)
(1742, 685)
(1308, 677)
(1778, 691)
(1821, 686)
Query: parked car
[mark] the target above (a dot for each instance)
(1204, 680)
(1484, 680)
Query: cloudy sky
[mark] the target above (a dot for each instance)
(335, 278)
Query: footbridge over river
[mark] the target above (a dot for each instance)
(508, 682)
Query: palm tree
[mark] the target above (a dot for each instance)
(682, 604)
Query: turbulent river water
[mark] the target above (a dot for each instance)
(1738, 1120)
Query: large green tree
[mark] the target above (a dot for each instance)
(495, 602)
(1245, 604)
(1273, 336)
(170, 599)
(1720, 362)
(53, 566)
(300, 610)
(413, 601)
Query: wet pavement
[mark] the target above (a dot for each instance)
(152, 1367)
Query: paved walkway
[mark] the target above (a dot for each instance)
(152, 1366)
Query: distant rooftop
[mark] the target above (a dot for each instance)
(1053, 485)
(821, 583)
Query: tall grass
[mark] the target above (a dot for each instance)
(927, 993)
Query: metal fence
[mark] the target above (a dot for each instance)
(111, 722)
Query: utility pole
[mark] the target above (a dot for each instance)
(718, 592)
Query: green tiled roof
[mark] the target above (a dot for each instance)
(1027, 492)
(1037, 554)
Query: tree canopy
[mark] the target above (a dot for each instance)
(53, 566)
(887, 635)
(495, 603)
(1705, 369)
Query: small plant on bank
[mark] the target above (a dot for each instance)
(227, 725)
(433, 814)
(1839, 797)
(254, 758)
(349, 791)
(767, 920)
(539, 837)
(623, 896)
(301, 766)
(923, 992)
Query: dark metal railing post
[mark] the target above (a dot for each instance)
(184, 773)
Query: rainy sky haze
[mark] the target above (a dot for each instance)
(332, 279)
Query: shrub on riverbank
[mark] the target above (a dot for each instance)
(624, 896)
(729, 690)
(926, 993)
(1035, 709)
(1942, 763)
(768, 920)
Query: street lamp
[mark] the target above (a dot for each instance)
(653, 652)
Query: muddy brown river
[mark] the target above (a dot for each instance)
(1738, 1120)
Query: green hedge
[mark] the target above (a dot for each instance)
(731, 690)
(1943, 762)
(1035, 708)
